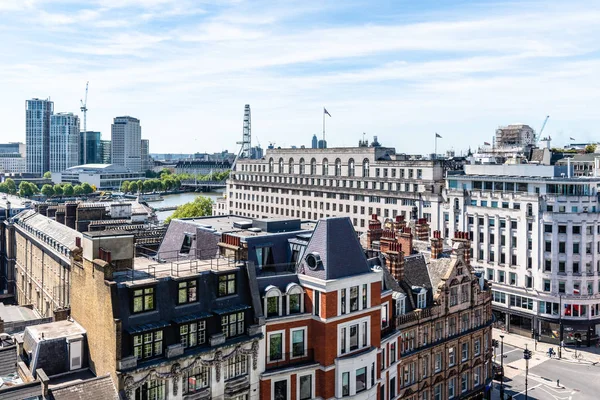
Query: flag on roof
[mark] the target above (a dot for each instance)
(571, 138)
(326, 112)
(487, 143)
(437, 135)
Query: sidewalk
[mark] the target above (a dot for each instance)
(590, 354)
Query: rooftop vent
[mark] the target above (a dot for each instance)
(313, 260)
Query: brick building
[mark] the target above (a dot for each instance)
(436, 343)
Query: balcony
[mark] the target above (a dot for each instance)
(416, 315)
(288, 360)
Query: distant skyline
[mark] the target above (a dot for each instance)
(400, 70)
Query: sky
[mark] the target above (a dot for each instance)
(401, 70)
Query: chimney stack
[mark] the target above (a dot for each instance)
(395, 260)
(399, 223)
(422, 228)
(388, 238)
(461, 246)
(374, 232)
(405, 238)
(437, 245)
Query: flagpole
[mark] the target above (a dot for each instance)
(435, 148)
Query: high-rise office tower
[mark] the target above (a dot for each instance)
(94, 147)
(64, 141)
(37, 134)
(105, 146)
(145, 151)
(126, 143)
(315, 142)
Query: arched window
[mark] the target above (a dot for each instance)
(325, 167)
(351, 167)
(313, 167)
(400, 303)
(272, 301)
(301, 164)
(280, 166)
(291, 166)
(365, 167)
(295, 299)
(338, 167)
(270, 165)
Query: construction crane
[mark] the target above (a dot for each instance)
(539, 135)
(84, 109)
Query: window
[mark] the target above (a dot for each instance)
(346, 384)
(148, 345)
(451, 384)
(392, 387)
(280, 390)
(561, 287)
(196, 379)
(364, 296)
(477, 347)
(354, 298)
(401, 305)
(476, 376)
(226, 285)
(273, 306)
(353, 337)
(317, 303)
(438, 362)
(546, 285)
(233, 324)
(235, 366)
(547, 228)
(384, 315)
(306, 387)
(528, 282)
(275, 346)
(192, 334)
(187, 292)
(143, 300)
(421, 300)
(295, 301)
(343, 301)
(501, 276)
(298, 343)
(464, 382)
(465, 352)
(361, 379)
(513, 278)
(392, 353)
(151, 390)
(451, 357)
(437, 392)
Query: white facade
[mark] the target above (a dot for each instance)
(352, 182)
(536, 234)
(126, 143)
(102, 176)
(37, 134)
(13, 163)
(64, 141)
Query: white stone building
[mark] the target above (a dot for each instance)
(352, 182)
(126, 143)
(536, 234)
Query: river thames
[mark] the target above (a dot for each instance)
(179, 199)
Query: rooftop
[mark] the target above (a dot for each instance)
(100, 388)
(97, 168)
(54, 330)
(59, 236)
(10, 313)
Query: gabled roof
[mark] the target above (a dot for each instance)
(336, 242)
(101, 388)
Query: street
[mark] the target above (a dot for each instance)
(578, 380)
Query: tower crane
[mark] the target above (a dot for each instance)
(84, 109)
(539, 135)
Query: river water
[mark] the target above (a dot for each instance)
(179, 199)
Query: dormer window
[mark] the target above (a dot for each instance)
(272, 301)
(422, 299)
(400, 303)
(295, 299)
(143, 300)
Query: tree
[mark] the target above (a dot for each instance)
(590, 148)
(87, 188)
(27, 189)
(77, 190)
(148, 185)
(58, 190)
(200, 207)
(3, 187)
(133, 187)
(68, 189)
(140, 185)
(125, 186)
(48, 190)
(47, 175)
(12, 187)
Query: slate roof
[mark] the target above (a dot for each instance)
(101, 388)
(438, 269)
(415, 271)
(55, 230)
(8, 360)
(335, 240)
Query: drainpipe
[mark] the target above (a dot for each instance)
(569, 167)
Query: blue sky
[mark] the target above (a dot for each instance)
(400, 70)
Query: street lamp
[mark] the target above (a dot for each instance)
(526, 356)
(560, 327)
(502, 366)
